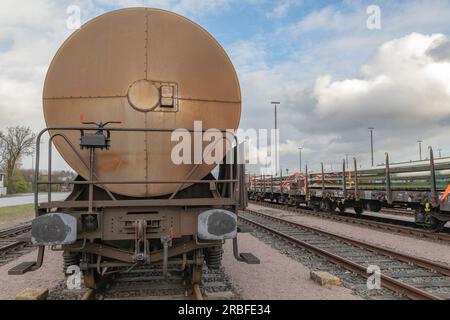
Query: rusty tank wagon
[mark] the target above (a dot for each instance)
(135, 76)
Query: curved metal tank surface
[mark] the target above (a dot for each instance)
(150, 69)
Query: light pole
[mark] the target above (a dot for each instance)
(420, 149)
(371, 142)
(300, 152)
(275, 104)
(440, 155)
(346, 160)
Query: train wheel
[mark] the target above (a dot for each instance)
(322, 205)
(358, 210)
(196, 269)
(333, 207)
(314, 207)
(327, 205)
(91, 277)
(196, 274)
(341, 207)
(433, 224)
(374, 206)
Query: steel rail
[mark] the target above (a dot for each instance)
(5, 248)
(398, 212)
(11, 243)
(107, 285)
(374, 248)
(196, 292)
(88, 294)
(360, 221)
(6, 233)
(387, 282)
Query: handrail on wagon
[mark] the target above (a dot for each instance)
(94, 179)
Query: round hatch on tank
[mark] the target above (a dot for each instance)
(143, 95)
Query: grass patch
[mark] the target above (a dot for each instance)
(12, 213)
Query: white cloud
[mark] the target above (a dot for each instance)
(281, 10)
(249, 55)
(190, 8)
(403, 90)
(324, 19)
(336, 79)
(439, 50)
(403, 82)
(290, 147)
(27, 44)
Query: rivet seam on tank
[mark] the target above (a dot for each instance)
(146, 45)
(146, 65)
(145, 95)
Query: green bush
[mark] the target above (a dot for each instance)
(19, 183)
(43, 188)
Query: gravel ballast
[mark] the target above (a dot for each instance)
(277, 277)
(413, 246)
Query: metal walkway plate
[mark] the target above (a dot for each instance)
(250, 258)
(22, 268)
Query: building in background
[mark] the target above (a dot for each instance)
(2, 184)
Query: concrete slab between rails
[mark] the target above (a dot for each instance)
(33, 294)
(222, 295)
(324, 278)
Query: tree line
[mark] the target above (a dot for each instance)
(16, 143)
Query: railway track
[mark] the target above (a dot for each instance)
(410, 276)
(15, 231)
(11, 244)
(397, 226)
(398, 212)
(149, 284)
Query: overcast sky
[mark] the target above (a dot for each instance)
(333, 75)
